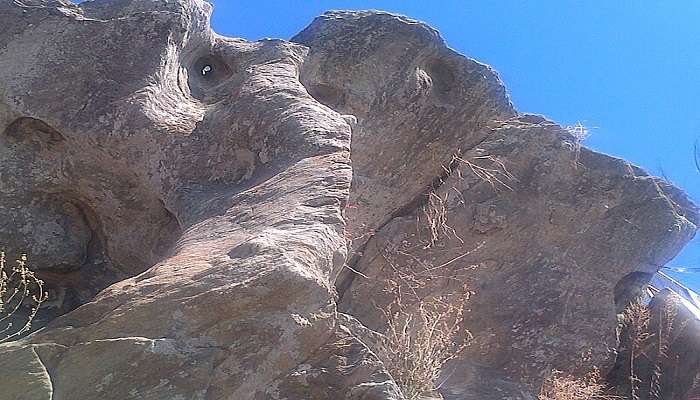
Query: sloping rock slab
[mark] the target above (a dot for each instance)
(206, 181)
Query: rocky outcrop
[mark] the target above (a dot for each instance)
(198, 198)
(449, 183)
(417, 103)
(546, 256)
(213, 197)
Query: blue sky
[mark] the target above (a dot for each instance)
(630, 70)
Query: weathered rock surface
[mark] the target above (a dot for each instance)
(219, 194)
(545, 256)
(417, 103)
(195, 196)
(548, 245)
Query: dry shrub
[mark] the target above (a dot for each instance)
(580, 133)
(487, 168)
(663, 334)
(418, 341)
(435, 212)
(423, 331)
(636, 319)
(20, 290)
(646, 345)
(560, 386)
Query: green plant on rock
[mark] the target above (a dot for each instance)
(21, 295)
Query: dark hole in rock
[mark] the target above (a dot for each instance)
(35, 132)
(205, 74)
(70, 285)
(442, 76)
(327, 95)
(69, 259)
(67, 245)
(630, 288)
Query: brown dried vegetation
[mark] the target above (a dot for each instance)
(21, 295)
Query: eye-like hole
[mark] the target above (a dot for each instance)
(212, 69)
(207, 73)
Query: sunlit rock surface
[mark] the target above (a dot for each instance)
(196, 200)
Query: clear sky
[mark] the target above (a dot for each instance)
(629, 70)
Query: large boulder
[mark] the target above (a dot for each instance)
(191, 172)
(200, 207)
(550, 259)
(451, 186)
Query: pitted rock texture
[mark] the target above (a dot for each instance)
(199, 198)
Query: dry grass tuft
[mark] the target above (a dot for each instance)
(435, 213)
(487, 168)
(663, 334)
(19, 289)
(495, 174)
(636, 319)
(423, 330)
(580, 133)
(419, 341)
(559, 386)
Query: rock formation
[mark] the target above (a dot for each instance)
(220, 215)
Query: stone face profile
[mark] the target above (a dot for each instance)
(219, 216)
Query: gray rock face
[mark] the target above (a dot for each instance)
(212, 199)
(545, 257)
(195, 196)
(416, 102)
(546, 233)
